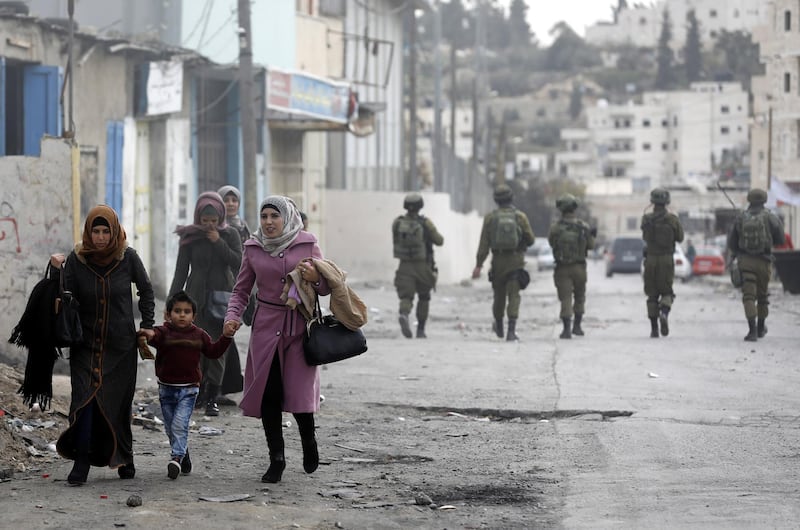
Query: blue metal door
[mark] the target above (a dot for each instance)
(40, 106)
(114, 143)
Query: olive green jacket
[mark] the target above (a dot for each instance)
(775, 230)
(526, 238)
(432, 236)
(661, 214)
(557, 228)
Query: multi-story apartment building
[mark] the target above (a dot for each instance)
(640, 25)
(669, 138)
(775, 130)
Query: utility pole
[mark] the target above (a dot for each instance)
(247, 114)
(769, 149)
(453, 97)
(412, 99)
(438, 178)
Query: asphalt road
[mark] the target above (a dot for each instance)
(614, 429)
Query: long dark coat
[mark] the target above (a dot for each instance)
(103, 367)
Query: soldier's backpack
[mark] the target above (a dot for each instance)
(571, 243)
(409, 238)
(754, 235)
(505, 233)
(659, 234)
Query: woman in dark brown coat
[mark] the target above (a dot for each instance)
(99, 272)
(209, 257)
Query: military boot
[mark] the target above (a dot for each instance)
(663, 317)
(497, 327)
(761, 327)
(752, 334)
(421, 330)
(405, 328)
(565, 333)
(512, 335)
(653, 327)
(576, 326)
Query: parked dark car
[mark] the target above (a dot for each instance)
(624, 254)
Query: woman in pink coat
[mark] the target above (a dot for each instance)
(277, 377)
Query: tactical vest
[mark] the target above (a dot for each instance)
(409, 238)
(505, 233)
(754, 235)
(659, 235)
(570, 244)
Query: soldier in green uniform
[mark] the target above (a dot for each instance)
(571, 239)
(660, 230)
(754, 233)
(507, 233)
(413, 236)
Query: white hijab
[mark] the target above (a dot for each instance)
(292, 224)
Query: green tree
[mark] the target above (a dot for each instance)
(457, 25)
(518, 25)
(621, 6)
(693, 50)
(735, 57)
(576, 101)
(569, 52)
(665, 75)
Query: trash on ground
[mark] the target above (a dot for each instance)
(357, 450)
(422, 499)
(205, 430)
(134, 501)
(226, 498)
(346, 493)
(358, 460)
(652, 375)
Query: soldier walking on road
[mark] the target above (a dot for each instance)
(660, 230)
(754, 233)
(413, 236)
(571, 239)
(507, 233)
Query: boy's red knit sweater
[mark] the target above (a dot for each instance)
(178, 353)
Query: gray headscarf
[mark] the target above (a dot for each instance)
(292, 224)
(234, 221)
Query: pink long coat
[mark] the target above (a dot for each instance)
(276, 328)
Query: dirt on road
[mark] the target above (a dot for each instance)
(386, 462)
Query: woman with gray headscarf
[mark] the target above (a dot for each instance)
(277, 378)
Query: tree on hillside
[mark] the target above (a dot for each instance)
(665, 76)
(621, 5)
(498, 36)
(518, 25)
(457, 25)
(569, 52)
(735, 56)
(576, 101)
(693, 50)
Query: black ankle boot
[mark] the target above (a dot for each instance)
(497, 326)
(80, 471)
(761, 328)
(576, 326)
(663, 320)
(421, 330)
(565, 333)
(212, 408)
(305, 424)
(512, 330)
(752, 334)
(128, 471)
(653, 327)
(277, 461)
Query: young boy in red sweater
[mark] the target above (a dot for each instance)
(179, 344)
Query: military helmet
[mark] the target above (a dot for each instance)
(659, 196)
(413, 201)
(567, 203)
(757, 196)
(503, 193)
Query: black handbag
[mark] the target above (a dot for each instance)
(68, 330)
(327, 340)
(217, 304)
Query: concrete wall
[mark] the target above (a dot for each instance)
(358, 234)
(35, 221)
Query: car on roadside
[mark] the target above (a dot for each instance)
(545, 259)
(683, 269)
(708, 260)
(624, 254)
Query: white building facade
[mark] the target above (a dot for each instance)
(641, 25)
(669, 138)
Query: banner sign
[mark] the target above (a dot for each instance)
(298, 93)
(164, 87)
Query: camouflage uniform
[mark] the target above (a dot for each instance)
(416, 275)
(570, 272)
(505, 264)
(756, 268)
(660, 230)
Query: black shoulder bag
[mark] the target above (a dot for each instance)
(67, 329)
(327, 340)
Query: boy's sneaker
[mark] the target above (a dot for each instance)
(186, 464)
(173, 469)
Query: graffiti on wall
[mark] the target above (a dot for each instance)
(8, 240)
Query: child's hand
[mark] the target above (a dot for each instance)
(144, 350)
(230, 328)
(146, 333)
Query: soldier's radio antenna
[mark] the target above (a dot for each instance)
(726, 195)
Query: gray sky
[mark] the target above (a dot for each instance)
(544, 14)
